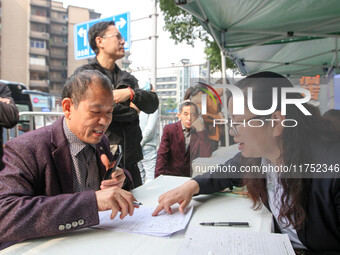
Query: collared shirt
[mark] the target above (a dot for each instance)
(187, 135)
(275, 190)
(84, 162)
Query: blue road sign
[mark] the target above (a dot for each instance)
(82, 49)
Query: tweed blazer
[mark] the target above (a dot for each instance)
(37, 198)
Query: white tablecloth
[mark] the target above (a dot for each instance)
(95, 241)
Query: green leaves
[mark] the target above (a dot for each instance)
(183, 27)
(214, 56)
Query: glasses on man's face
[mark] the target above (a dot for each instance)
(118, 35)
(233, 126)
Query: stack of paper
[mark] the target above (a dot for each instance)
(224, 240)
(142, 222)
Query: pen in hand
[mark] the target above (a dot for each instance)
(226, 224)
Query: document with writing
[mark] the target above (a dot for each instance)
(225, 240)
(142, 222)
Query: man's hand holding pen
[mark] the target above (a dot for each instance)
(117, 200)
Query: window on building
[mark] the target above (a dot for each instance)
(38, 44)
(170, 86)
(38, 27)
(37, 60)
(164, 79)
(38, 11)
(36, 76)
(58, 51)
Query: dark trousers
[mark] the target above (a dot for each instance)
(135, 173)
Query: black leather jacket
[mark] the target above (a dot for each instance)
(124, 128)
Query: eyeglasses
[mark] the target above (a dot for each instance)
(233, 126)
(118, 35)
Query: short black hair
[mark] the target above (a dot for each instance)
(77, 85)
(332, 114)
(96, 30)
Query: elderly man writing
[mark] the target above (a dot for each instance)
(51, 180)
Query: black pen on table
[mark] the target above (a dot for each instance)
(226, 224)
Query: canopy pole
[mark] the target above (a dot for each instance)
(208, 71)
(223, 58)
(336, 53)
(224, 67)
(224, 97)
(224, 82)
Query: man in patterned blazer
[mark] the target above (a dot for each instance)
(51, 183)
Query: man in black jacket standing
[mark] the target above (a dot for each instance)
(9, 115)
(108, 44)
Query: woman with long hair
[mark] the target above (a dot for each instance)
(305, 201)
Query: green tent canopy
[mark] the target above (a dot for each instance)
(291, 37)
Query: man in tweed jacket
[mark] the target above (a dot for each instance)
(38, 195)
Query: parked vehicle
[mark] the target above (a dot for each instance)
(22, 101)
(31, 101)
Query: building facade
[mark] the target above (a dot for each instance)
(36, 42)
(168, 87)
(58, 47)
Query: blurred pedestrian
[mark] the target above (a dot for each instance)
(149, 126)
(182, 142)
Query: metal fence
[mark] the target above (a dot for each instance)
(34, 120)
(30, 121)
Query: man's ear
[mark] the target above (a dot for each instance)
(278, 118)
(66, 104)
(98, 41)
